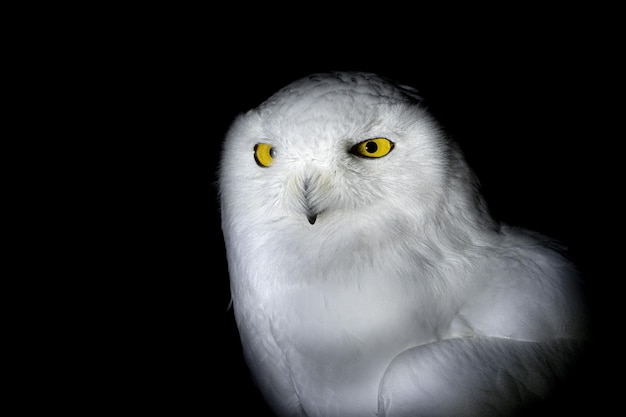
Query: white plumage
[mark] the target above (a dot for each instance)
(367, 276)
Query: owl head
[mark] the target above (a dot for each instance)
(344, 151)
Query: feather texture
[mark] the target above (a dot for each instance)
(362, 284)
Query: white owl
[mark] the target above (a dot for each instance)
(367, 276)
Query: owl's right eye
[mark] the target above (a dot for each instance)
(264, 154)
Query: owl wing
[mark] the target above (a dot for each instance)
(477, 376)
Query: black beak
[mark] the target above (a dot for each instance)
(311, 215)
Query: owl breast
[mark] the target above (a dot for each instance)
(336, 321)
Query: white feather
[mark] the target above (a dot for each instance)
(403, 265)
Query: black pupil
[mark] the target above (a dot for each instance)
(371, 147)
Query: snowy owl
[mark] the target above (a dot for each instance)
(367, 275)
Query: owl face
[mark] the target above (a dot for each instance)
(333, 150)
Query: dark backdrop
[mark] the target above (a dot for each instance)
(526, 111)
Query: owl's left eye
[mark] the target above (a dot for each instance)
(264, 154)
(372, 148)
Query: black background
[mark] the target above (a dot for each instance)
(525, 101)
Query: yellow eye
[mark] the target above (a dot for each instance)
(372, 148)
(264, 154)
